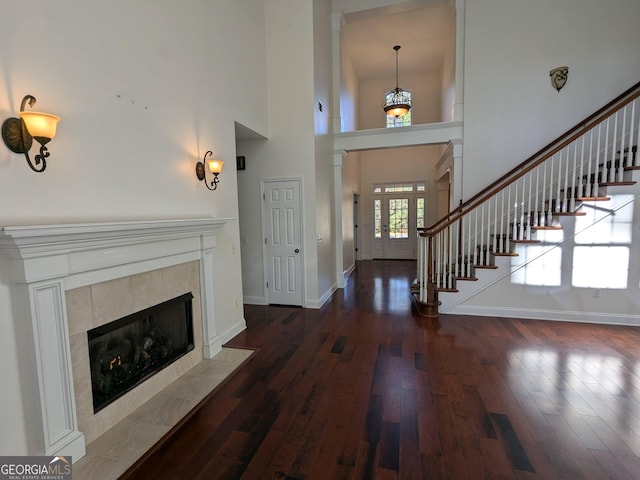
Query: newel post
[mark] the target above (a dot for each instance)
(431, 304)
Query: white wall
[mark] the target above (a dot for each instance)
(448, 79)
(511, 110)
(290, 151)
(324, 175)
(348, 95)
(143, 89)
(350, 185)
(250, 215)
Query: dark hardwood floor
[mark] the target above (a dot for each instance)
(364, 388)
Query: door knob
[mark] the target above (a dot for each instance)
(297, 250)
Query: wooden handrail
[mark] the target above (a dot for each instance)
(533, 161)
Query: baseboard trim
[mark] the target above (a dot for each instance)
(552, 315)
(215, 345)
(349, 271)
(322, 300)
(254, 300)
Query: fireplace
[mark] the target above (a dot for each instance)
(63, 281)
(127, 351)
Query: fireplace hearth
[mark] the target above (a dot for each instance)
(127, 351)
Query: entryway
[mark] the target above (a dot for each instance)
(397, 210)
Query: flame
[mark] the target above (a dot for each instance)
(116, 362)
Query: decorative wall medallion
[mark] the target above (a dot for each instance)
(559, 77)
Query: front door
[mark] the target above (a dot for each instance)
(283, 242)
(398, 210)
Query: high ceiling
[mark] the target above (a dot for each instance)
(425, 29)
(425, 33)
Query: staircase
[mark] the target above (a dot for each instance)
(581, 167)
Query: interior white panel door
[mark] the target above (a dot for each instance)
(283, 241)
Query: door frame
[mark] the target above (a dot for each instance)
(263, 215)
(357, 227)
(412, 204)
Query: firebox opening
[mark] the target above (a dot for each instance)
(127, 351)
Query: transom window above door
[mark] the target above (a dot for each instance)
(399, 187)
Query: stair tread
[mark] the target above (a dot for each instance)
(570, 214)
(594, 199)
(505, 254)
(617, 184)
(470, 279)
(546, 227)
(525, 241)
(493, 267)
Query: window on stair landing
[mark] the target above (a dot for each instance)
(603, 243)
(540, 263)
(403, 121)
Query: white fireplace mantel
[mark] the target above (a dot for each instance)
(47, 260)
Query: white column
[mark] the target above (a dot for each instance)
(336, 58)
(458, 110)
(212, 344)
(456, 174)
(43, 342)
(337, 206)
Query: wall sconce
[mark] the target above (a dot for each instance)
(559, 77)
(18, 133)
(215, 167)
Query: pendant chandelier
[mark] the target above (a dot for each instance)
(398, 101)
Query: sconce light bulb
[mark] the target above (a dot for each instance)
(40, 125)
(215, 166)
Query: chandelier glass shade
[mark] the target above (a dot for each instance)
(398, 101)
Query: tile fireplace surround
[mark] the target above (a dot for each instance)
(51, 264)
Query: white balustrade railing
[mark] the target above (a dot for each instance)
(551, 183)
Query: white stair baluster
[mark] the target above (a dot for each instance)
(623, 137)
(542, 207)
(614, 143)
(581, 174)
(600, 172)
(590, 192)
(565, 201)
(632, 122)
(572, 199)
(636, 163)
